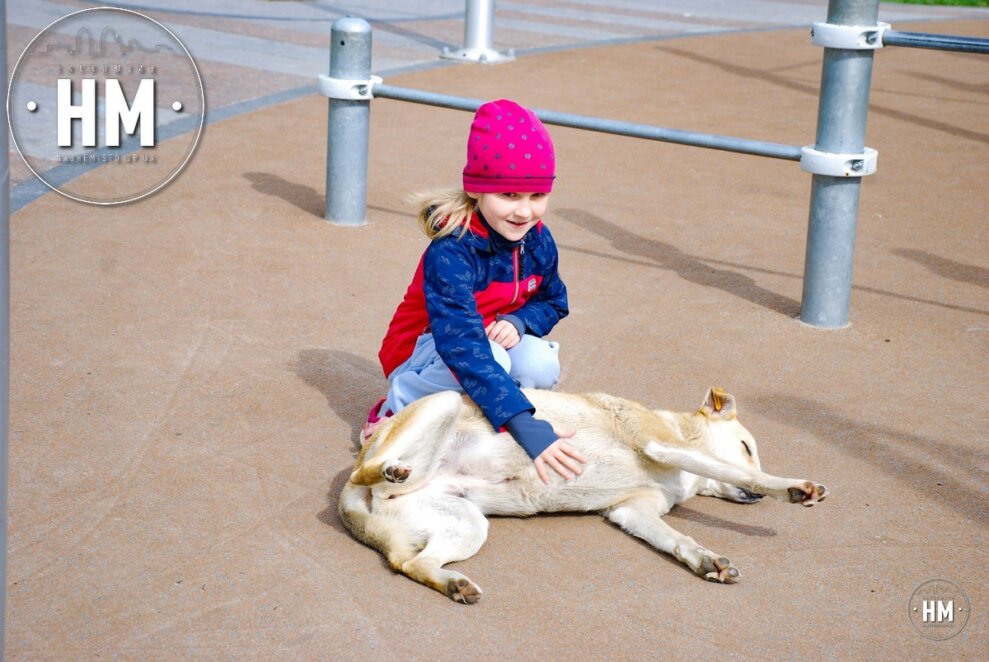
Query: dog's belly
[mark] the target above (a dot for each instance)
(603, 483)
(499, 497)
(492, 472)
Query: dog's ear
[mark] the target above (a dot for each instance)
(719, 403)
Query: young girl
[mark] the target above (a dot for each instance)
(487, 290)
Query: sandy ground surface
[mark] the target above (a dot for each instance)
(189, 374)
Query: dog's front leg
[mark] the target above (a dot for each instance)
(794, 490)
(642, 516)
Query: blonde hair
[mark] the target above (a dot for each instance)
(443, 212)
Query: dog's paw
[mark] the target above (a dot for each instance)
(720, 570)
(463, 590)
(396, 472)
(712, 567)
(807, 494)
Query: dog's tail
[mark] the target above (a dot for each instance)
(388, 536)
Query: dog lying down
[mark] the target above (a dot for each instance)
(425, 481)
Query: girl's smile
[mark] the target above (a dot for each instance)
(512, 214)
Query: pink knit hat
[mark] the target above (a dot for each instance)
(508, 150)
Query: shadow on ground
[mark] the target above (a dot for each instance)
(793, 85)
(692, 269)
(350, 383)
(942, 266)
(713, 521)
(301, 196)
(910, 458)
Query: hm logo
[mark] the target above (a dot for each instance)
(141, 111)
(937, 611)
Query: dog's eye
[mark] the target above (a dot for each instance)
(747, 449)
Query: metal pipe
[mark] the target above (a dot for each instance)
(349, 125)
(649, 132)
(479, 24)
(479, 16)
(4, 317)
(842, 112)
(941, 42)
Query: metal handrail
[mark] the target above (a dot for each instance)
(647, 131)
(941, 42)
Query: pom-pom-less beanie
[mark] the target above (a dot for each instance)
(508, 150)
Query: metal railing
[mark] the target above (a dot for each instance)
(940, 42)
(838, 159)
(646, 131)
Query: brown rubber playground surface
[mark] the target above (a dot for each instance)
(189, 374)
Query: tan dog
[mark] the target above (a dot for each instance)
(425, 481)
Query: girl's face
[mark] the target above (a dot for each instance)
(511, 214)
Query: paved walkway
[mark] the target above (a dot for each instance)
(189, 372)
(254, 53)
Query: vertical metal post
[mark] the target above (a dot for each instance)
(4, 318)
(479, 24)
(479, 36)
(349, 125)
(841, 120)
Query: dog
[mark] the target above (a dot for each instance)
(424, 482)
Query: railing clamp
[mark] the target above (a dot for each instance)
(349, 89)
(849, 37)
(838, 165)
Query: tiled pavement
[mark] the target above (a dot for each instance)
(253, 53)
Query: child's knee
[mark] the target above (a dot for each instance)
(501, 356)
(536, 363)
(403, 390)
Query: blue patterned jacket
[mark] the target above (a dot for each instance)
(463, 284)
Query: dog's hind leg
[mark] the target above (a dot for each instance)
(389, 535)
(794, 490)
(405, 450)
(429, 571)
(642, 516)
(458, 528)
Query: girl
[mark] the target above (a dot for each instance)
(487, 290)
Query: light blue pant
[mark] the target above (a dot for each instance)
(533, 363)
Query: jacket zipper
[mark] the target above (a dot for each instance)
(519, 251)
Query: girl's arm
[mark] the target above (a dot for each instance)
(462, 343)
(557, 454)
(458, 331)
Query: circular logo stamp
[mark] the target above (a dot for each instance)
(939, 609)
(106, 106)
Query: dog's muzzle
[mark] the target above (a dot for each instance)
(743, 495)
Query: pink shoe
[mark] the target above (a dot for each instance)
(374, 419)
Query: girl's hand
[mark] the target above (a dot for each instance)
(504, 333)
(560, 456)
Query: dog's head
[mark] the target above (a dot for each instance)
(730, 442)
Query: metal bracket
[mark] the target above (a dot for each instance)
(849, 37)
(838, 165)
(479, 55)
(344, 88)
